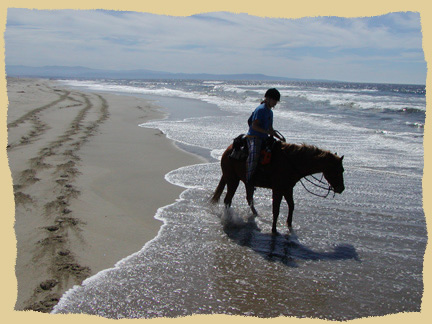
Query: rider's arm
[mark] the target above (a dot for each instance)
(256, 126)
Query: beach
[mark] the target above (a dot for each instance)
(347, 256)
(87, 183)
(113, 219)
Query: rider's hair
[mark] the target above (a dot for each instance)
(273, 94)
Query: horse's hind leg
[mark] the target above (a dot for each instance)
(249, 197)
(232, 186)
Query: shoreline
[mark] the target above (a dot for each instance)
(87, 183)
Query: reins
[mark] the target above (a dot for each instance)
(329, 188)
(282, 137)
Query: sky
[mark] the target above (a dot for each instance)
(384, 49)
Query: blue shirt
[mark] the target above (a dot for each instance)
(265, 116)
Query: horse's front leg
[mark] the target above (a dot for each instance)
(277, 198)
(290, 201)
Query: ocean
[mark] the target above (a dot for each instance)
(350, 256)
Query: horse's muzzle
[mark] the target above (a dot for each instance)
(339, 189)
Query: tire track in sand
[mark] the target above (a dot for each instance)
(56, 166)
(39, 127)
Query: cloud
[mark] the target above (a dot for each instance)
(218, 42)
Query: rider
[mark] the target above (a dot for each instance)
(261, 127)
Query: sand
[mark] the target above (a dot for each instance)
(87, 183)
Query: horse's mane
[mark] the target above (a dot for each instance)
(305, 151)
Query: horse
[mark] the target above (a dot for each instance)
(289, 164)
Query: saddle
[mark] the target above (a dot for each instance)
(240, 149)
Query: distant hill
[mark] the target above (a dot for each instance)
(87, 73)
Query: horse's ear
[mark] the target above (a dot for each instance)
(342, 157)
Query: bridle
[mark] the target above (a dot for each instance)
(321, 184)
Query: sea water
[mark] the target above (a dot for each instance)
(353, 255)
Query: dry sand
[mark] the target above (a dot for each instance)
(87, 183)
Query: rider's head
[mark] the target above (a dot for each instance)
(273, 94)
(272, 97)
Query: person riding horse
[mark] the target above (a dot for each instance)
(291, 163)
(260, 128)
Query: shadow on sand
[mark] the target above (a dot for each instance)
(283, 248)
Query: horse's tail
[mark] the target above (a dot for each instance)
(218, 192)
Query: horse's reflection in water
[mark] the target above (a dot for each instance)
(284, 248)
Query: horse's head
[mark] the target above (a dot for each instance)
(334, 174)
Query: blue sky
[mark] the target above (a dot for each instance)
(384, 48)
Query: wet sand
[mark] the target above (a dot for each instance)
(87, 183)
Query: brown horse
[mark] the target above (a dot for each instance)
(289, 164)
